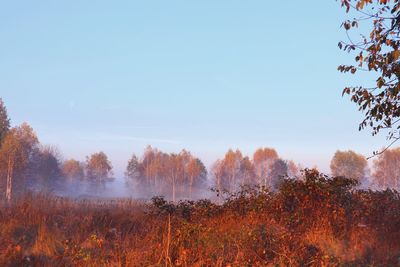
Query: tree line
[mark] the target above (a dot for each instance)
(26, 164)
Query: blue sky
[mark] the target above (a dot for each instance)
(202, 75)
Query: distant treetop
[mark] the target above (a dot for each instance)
(4, 120)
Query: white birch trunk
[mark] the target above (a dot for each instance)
(10, 168)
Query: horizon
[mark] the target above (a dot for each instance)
(116, 78)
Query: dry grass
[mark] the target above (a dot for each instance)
(344, 228)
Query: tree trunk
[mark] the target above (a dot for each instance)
(190, 186)
(218, 183)
(155, 184)
(231, 183)
(10, 168)
(173, 189)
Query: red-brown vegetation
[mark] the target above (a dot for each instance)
(315, 221)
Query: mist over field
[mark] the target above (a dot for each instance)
(112, 190)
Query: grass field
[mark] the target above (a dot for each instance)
(311, 222)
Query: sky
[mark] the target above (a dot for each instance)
(116, 76)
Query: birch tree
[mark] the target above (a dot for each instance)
(263, 159)
(15, 155)
(73, 170)
(387, 169)
(98, 169)
(349, 164)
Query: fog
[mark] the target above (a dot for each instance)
(117, 188)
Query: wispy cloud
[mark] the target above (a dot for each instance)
(98, 136)
(142, 139)
(151, 127)
(117, 137)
